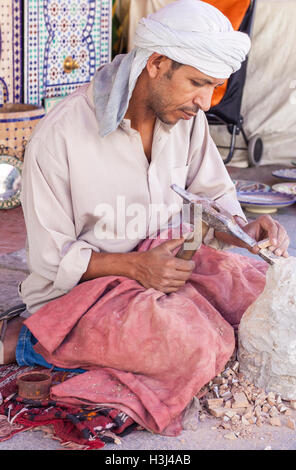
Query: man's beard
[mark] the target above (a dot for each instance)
(158, 107)
(163, 118)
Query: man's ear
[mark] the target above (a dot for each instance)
(156, 63)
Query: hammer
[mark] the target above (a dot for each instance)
(193, 239)
(213, 215)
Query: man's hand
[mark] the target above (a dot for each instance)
(266, 227)
(157, 268)
(160, 269)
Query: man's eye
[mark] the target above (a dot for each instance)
(196, 83)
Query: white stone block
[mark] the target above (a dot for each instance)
(267, 333)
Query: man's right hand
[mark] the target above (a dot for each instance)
(159, 268)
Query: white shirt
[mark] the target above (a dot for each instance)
(71, 173)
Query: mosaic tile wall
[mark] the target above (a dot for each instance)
(56, 29)
(11, 75)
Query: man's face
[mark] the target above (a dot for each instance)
(179, 93)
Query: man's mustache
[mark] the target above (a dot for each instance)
(190, 110)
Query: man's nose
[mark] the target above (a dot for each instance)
(203, 99)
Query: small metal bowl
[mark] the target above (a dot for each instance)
(34, 385)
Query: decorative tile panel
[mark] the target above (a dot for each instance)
(56, 29)
(11, 51)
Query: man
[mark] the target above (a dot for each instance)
(99, 296)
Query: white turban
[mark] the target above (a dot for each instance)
(194, 33)
(190, 32)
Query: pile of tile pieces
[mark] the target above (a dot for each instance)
(240, 405)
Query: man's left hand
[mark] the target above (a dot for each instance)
(266, 227)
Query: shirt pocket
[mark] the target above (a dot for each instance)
(179, 175)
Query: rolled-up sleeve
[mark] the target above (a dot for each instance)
(72, 265)
(55, 251)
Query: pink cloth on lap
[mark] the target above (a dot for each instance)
(146, 352)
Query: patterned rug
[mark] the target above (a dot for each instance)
(83, 428)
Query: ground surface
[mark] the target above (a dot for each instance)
(207, 435)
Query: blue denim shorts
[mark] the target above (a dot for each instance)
(26, 356)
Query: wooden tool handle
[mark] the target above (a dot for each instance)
(186, 254)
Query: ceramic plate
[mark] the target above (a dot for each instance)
(286, 188)
(286, 174)
(265, 202)
(250, 186)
